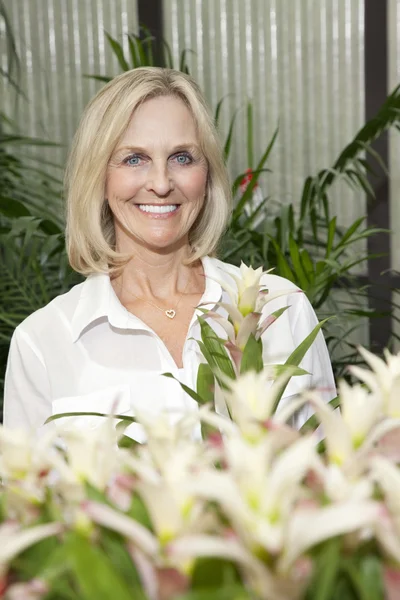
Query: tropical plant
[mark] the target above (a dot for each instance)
(34, 268)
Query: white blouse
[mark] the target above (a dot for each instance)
(85, 352)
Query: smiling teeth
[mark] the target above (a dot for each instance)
(158, 208)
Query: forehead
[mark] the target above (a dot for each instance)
(164, 117)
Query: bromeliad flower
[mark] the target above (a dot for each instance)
(383, 380)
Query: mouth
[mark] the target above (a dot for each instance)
(158, 209)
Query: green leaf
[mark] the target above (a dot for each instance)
(209, 573)
(138, 512)
(249, 190)
(252, 359)
(294, 371)
(187, 389)
(114, 547)
(12, 208)
(326, 570)
(89, 414)
(118, 51)
(331, 237)
(297, 264)
(228, 141)
(216, 353)
(205, 382)
(298, 354)
(95, 574)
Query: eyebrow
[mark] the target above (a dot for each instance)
(180, 147)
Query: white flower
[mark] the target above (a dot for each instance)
(92, 454)
(384, 379)
(22, 454)
(309, 527)
(360, 411)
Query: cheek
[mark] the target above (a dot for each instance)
(195, 184)
(121, 184)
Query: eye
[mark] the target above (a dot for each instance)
(133, 160)
(183, 158)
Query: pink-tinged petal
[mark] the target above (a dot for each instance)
(265, 324)
(247, 327)
(388, 536)
(32, 590)
(171, 583)
(147, 571)
(308, 528)
(387, 475)
(391, 582)
(389, 446)
(378, 433)
(108, 517)
(14, 540)
(235, 353)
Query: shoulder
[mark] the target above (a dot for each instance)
(268, 280)
(44, 318)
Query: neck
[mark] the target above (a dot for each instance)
(158, 275)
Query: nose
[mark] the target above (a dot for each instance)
(158, 179)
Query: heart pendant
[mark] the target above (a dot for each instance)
(170, 313)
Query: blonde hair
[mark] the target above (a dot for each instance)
(90, 233)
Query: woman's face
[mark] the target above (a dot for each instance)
(156, 178)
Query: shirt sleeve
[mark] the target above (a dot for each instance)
(27, 389)
(287, 333)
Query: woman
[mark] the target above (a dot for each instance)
(148, 199)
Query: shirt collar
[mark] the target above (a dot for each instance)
(98, 300)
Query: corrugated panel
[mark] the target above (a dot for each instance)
(301, 63)
(59, 41)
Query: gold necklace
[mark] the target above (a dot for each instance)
(169, 312)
